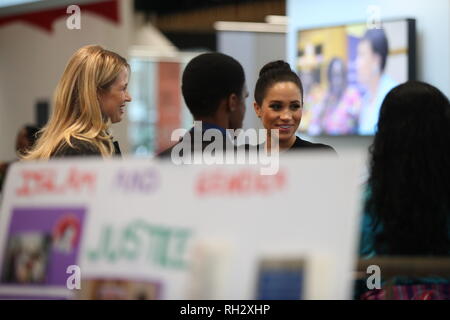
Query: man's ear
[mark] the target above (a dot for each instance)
(232, 102)
(257, 108)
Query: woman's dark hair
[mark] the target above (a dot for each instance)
(409, 182)
(342, 75)
(274, 72)
(208, 79)
(379, 44)
(336, 61)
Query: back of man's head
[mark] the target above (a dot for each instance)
(208, 79)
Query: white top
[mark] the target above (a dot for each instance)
(368, 117)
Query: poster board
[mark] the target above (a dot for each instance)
(149, 229)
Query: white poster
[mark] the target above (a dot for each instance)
(142, 229)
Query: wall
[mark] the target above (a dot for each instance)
(32, 61)
(433, 34)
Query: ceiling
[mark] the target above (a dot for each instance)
(163, 7)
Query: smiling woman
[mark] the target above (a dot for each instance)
(91, 95)
(279, 103)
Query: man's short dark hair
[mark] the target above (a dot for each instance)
(208, 79)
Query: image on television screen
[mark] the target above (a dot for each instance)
(347, 71)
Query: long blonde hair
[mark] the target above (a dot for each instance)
(77, 112)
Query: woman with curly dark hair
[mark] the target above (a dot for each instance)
(408, 196)
(407, 207)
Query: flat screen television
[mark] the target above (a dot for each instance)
(347, 70)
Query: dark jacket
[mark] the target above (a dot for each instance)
(301, 144)
(82, 148)
(188, 143)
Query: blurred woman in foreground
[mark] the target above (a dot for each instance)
(407, 208)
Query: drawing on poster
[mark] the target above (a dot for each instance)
(26, 258)
(41, 244)
(119, 289)
(281, 279)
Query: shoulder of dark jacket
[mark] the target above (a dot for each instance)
(303, 144)
(117, 151)
(78, 148)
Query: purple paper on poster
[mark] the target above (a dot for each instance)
(41, 244)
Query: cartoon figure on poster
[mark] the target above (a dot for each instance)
(41, 244)
(66, 234)
(27, 258)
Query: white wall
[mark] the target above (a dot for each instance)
(32, 61)
(433, 35)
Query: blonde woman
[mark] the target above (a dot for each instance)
(91, 95)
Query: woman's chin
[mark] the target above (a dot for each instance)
(117, 119)
(284, 140)
(286, 136)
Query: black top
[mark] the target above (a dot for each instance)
(298, 145)
(117, 151)
(301, 144)
(189, 142)
(82, 148)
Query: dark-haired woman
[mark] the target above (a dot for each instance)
(407, 209)
(279, 103)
